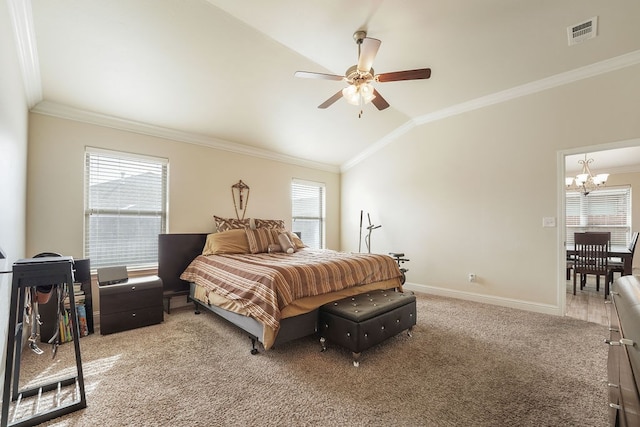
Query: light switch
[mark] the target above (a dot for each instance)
(549, 221)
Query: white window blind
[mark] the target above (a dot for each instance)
(308, 212)
(125, 208)
(606, 209)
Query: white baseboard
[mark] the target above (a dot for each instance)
(432, 290)
(488, 299)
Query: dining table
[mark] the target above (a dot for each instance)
(615, 251)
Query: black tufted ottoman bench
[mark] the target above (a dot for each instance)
(362, 321)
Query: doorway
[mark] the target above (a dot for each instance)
(621, 161)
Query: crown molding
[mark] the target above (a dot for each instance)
(22, 22)
(21, 16)
(595, 69)
(618, 170)
(66, 112)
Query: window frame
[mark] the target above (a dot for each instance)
(321, 208)
(161, 212)
(591, 212)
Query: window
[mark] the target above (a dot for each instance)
(125, 208)
(607, 209)
(307, 202)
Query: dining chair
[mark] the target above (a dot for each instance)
(570, 262)
(616, 265)
(591, 257)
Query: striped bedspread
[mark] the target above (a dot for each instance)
(263, 284)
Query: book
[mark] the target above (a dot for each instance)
(82, 320)
(78, 295)
(66, 333)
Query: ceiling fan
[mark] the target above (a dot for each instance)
(359, 77)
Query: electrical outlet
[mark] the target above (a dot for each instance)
(472, 277)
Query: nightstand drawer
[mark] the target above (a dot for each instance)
(118, 298)
(132, 319)
(132, 304)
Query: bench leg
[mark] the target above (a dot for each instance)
(356, 359)
(323, 343)
(410, 331)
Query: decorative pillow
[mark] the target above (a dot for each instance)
(227, 242)
(260, 239)
(299, 244)
(274, 248)
(285, 243)
(268, 223)
(225, 224)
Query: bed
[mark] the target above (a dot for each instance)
(272, 295)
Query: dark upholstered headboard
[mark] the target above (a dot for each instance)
(175, 252)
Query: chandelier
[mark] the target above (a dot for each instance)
(586, 181)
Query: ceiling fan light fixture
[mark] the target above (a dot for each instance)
(358, 94)
(366, 91)
(350, 94)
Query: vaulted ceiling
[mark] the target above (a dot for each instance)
(222, 71)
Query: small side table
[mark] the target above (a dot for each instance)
(131, 304)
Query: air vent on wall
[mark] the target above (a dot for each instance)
(583, 31)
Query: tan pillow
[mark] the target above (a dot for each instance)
(227, 242)
(285, 243)
(225, 224)
(299, 244)
(273, 248)
(260, 239)
(268, 223)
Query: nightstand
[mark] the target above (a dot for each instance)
(131, 304)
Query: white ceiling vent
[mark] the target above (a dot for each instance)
(583, 31)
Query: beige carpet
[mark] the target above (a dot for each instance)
(467, 364)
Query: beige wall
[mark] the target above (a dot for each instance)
(13, 165)
(467, 194)
(200, 180)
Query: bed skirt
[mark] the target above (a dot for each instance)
(299, 319)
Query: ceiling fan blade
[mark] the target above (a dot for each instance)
(422, 73)
(368, 50)
(379, 101)
(331, 100)
(312, 75)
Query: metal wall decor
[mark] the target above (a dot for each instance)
(367, 238)
(240, 204)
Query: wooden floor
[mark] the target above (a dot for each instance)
(587, 304)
